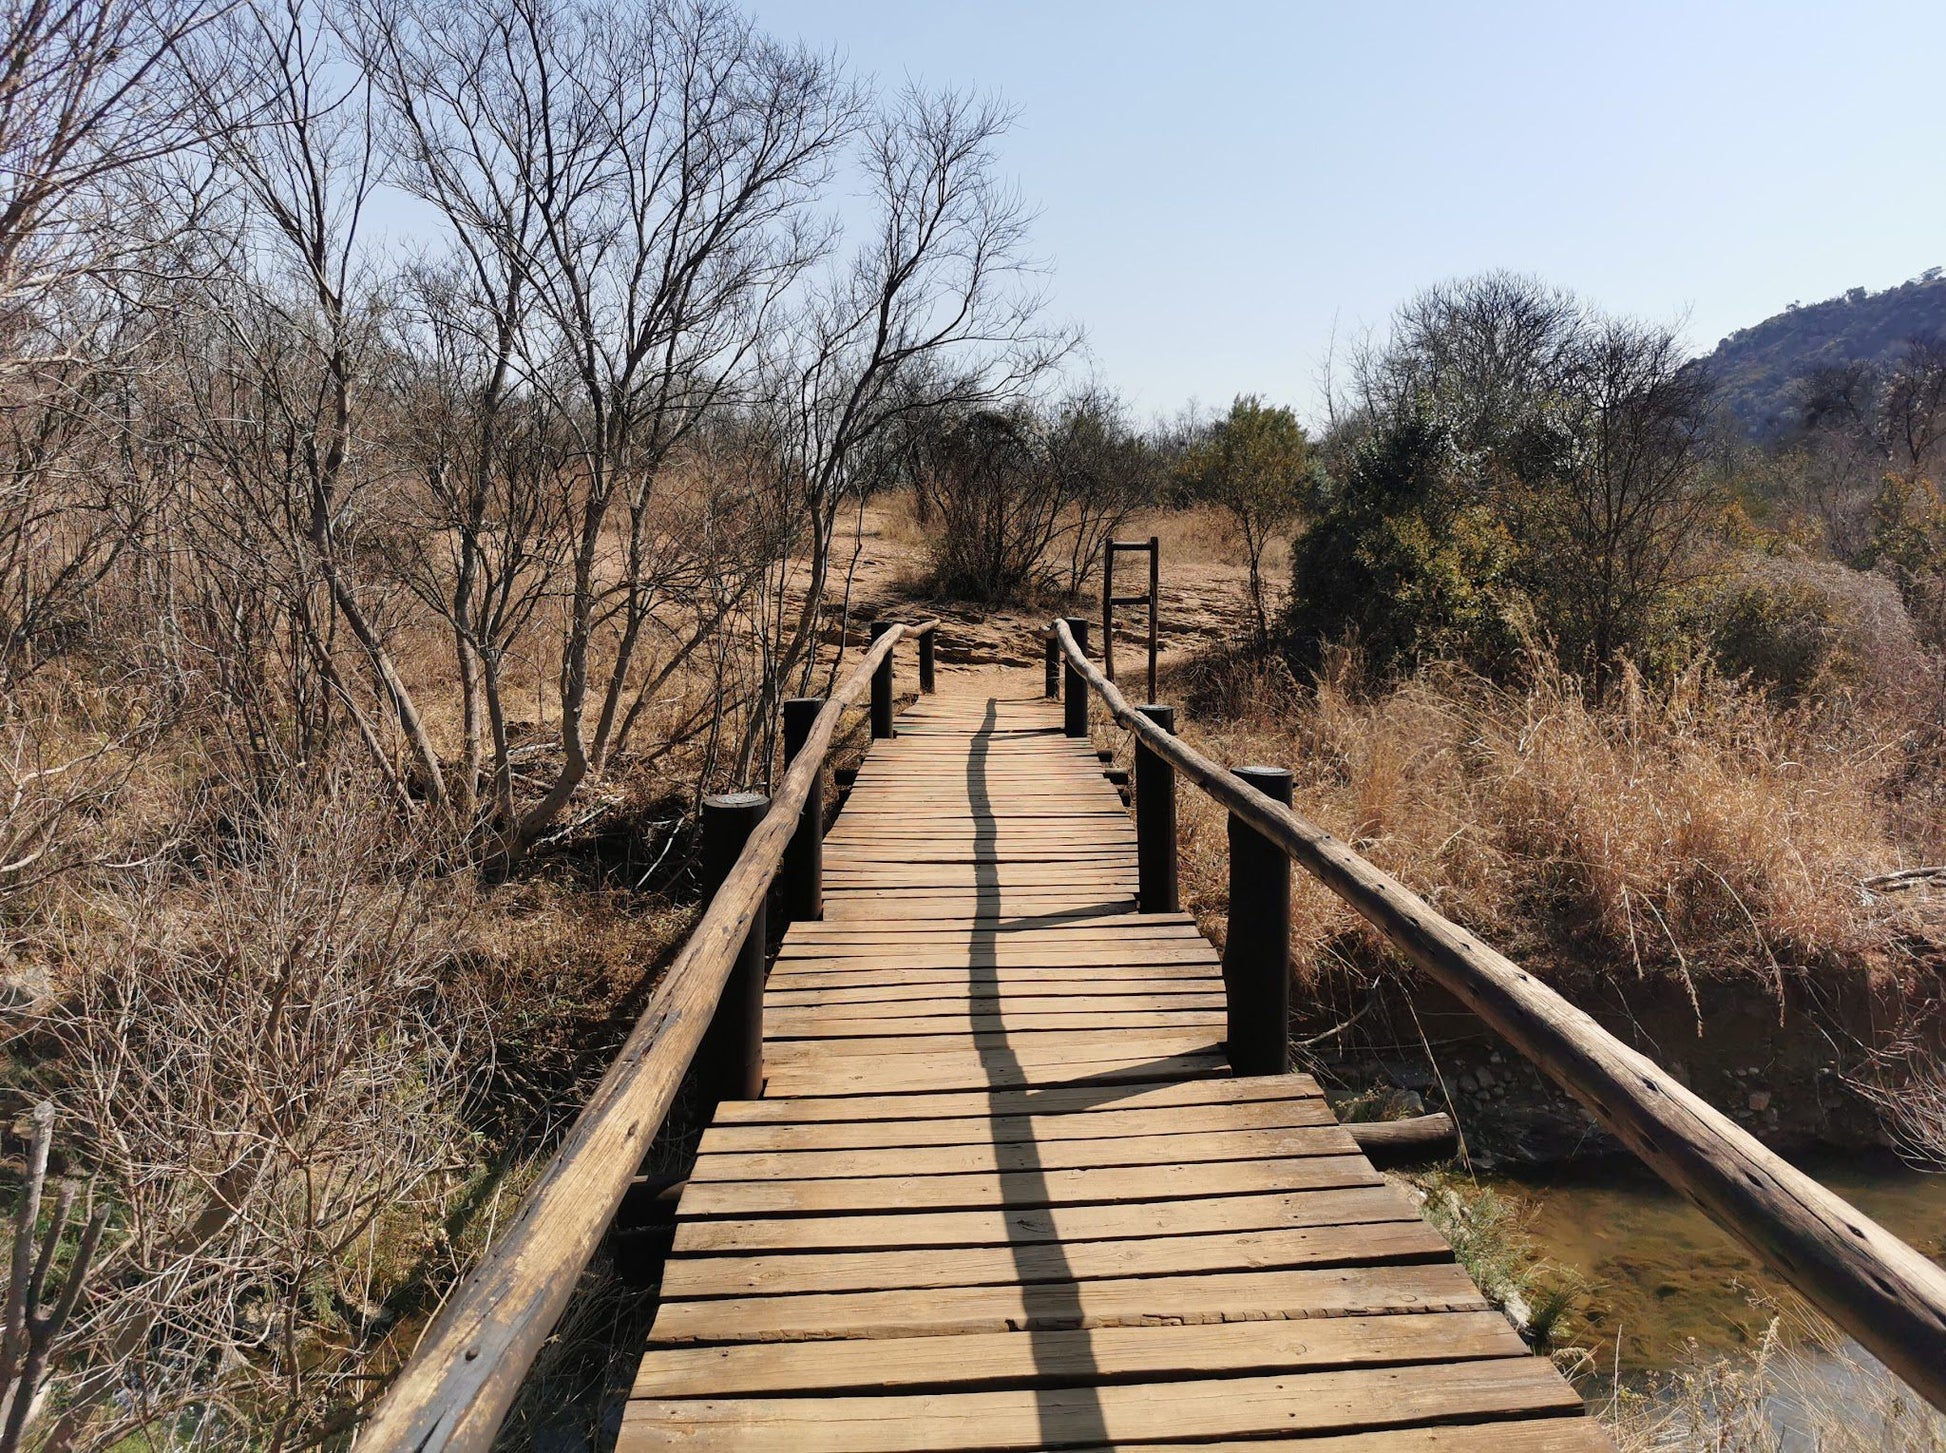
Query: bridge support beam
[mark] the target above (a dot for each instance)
(882, 687)
(803, 870)
(732, 1053)
(1053, 666)
(1155, 820)
(1076, 700)
(1257, 948)
(926, 662)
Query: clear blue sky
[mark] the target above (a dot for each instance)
(1219, 180)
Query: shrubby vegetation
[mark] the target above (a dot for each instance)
(1511, 461)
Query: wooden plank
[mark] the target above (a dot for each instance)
(969, 959)
(1024, 1188)
(688, 1278)
(1047, 1359)
(1216, 1297)
(786, 1024)
(1240, 1090)
(1061, 995)
(1547, 1434)
(1355, 1400)
(1103, 1124)
(1021, 1155)
(1020, 1226)
(1058, 1048)
(926, 1074)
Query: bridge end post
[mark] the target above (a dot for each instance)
(732, 1052)
(1257, 948)
(1155, 820)
(803, 872)
(882, 687)
(1053, 665)
(926, 662)
(1076, 700)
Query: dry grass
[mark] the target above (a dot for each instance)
(1694, 829)
(1803, 1388)
(1205, 535)
(308, 1071)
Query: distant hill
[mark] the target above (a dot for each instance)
(1755, 367)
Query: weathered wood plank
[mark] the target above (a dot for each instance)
(1216, 1297)
(1022, 1226)
(688, 1278)
(1024, 1188)
(1021, 1155)
(1341, 1400)
(1053, 1359)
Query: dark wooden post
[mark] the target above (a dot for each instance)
(1155, 606)
(1257, 950)
(925, 662)
(803, 872)
(732, 1052)
(1077, 684)
(1108, 609)
(1155, 820)
(1053, 665)
(882, 686)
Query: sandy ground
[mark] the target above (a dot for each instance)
(1203, 594)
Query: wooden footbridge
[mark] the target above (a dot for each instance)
(1007, 1157)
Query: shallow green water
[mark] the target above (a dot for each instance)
(1661, 1280)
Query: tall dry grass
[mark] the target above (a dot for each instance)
(1804, 1388)
(1691, 828)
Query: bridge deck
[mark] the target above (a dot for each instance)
(1003, 1192)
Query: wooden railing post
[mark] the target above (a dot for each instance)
(882, 688)
(1257, 948)
(1155, 607)
(1053, 666)
(732, 1052)
(926, 662)
(1155, 820)
(803, 870)
(1076, 701)
(1108, 553)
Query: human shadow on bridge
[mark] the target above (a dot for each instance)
(1069, 1404)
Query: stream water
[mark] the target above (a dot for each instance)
(1660, 1282)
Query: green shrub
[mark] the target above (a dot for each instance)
(1405, 558)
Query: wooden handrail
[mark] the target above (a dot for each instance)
(459, 1382)
(1868, 1281)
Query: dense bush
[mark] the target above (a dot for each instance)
(1404, 559)
(1515, 460)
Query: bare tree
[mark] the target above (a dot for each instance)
(1484, 349)
(86, 95)
(1108, 471)
(1613, 522)
(937, 312)
(31, 1326)
(629, 193)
